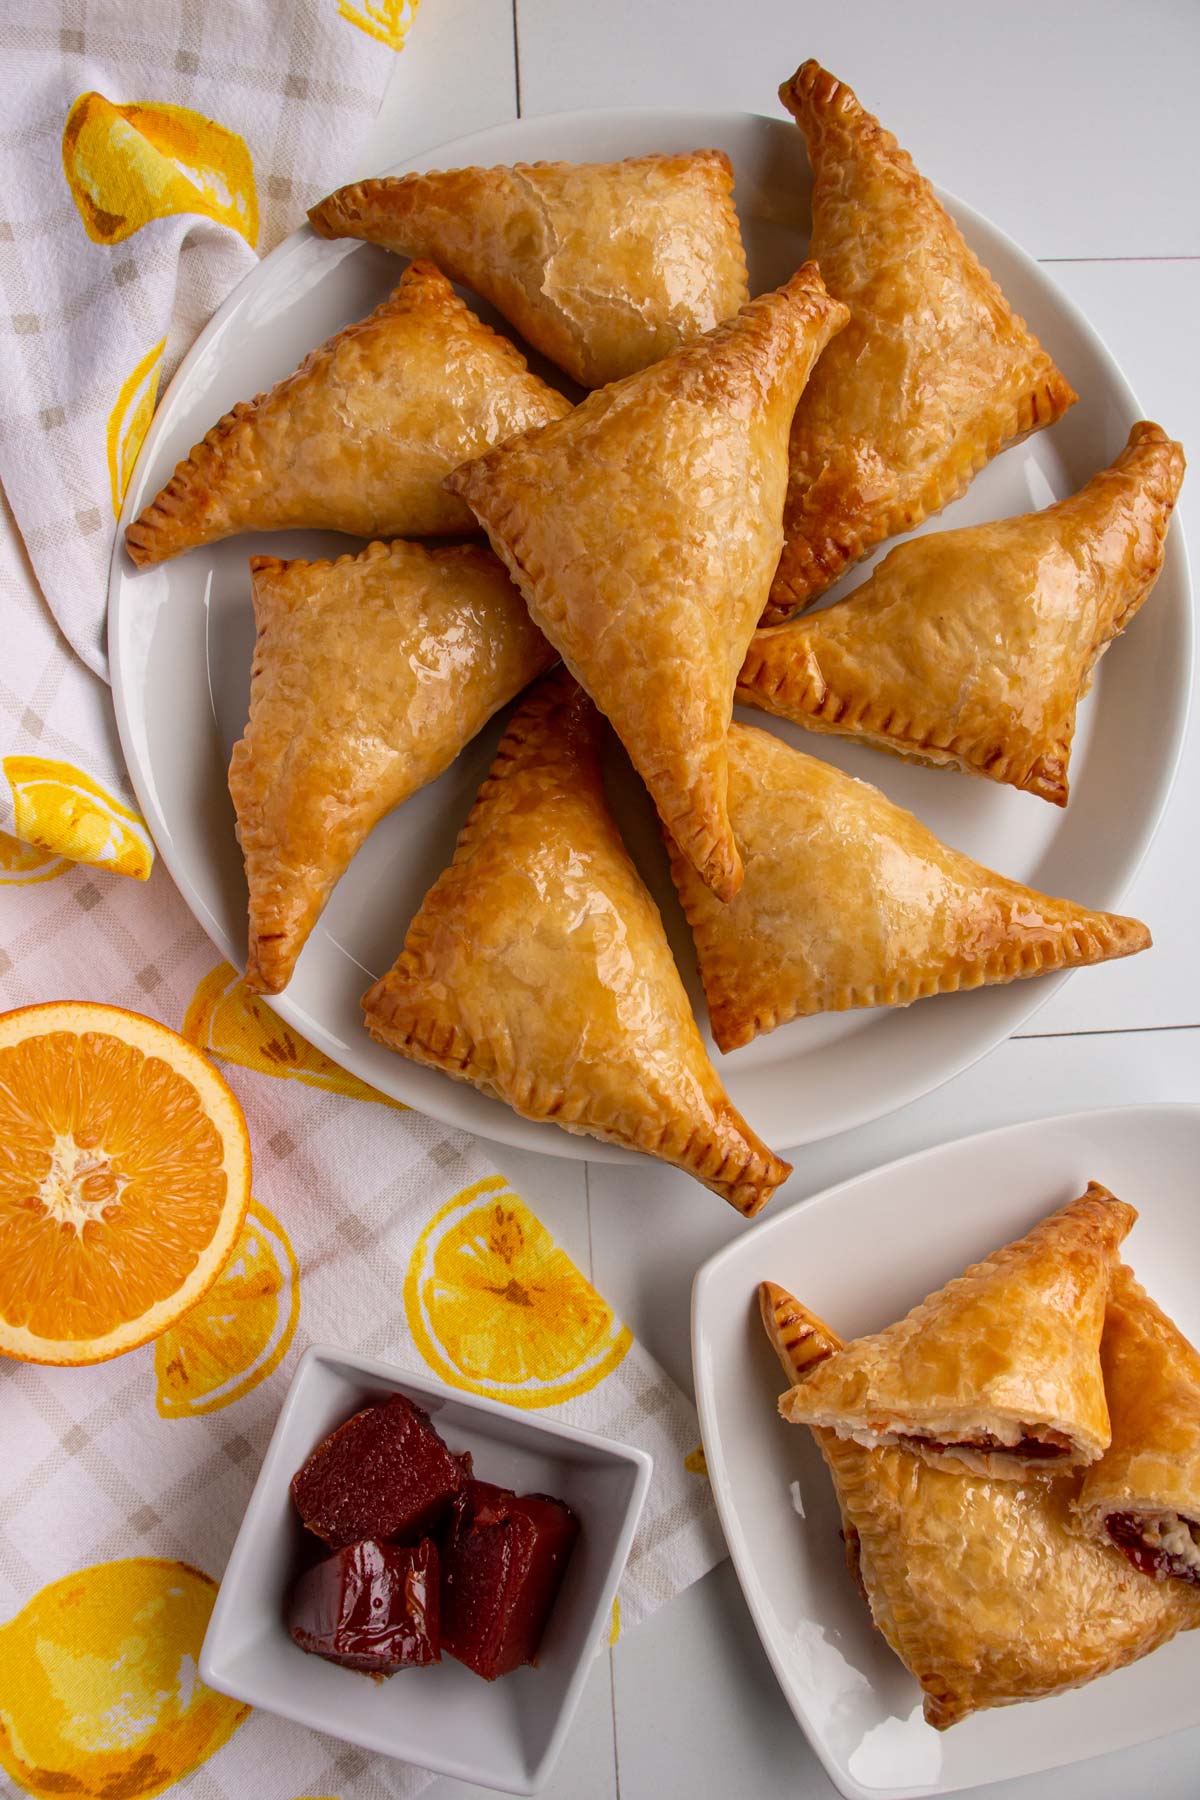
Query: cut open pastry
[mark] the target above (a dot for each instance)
(538, 969)
(971, 649)
(985, 1589)
(999, 1372)
(604, 267)
(848, 900)
(370, 674)
(643, 531)
(935, 372)
(1144, 1493)
(360, 437)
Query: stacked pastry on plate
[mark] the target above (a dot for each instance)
(731, 460)
(1017, 1464)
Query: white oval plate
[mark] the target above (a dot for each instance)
(925, 1219)
(181, 638)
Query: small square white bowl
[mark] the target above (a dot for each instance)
(501, 1734)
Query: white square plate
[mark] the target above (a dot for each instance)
(861, 1255)
(503, 1734)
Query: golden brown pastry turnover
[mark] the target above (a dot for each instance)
(604, 267)
(369, 675)
(984, 1589)
(848, 900)
(643, 531)
(970, 649)
(934, 374)
(538, 968)
(1144, 1493)
(360, 437)
(999, 1372)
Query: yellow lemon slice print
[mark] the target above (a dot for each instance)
(696, 1463)
(126, 165)
(388, 21)
(240, 1331)
(58, 808)
(129, 421)
(225, 1020)
(99, 1695)
(22, 864)
(497, 1308)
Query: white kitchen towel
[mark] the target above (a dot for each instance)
(149, 154)
(372, 1228)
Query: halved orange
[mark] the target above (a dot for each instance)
(124, 1180)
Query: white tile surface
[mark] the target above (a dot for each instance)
(455, 75)
(1071, 126)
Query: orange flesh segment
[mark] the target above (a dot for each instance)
(111, 1183)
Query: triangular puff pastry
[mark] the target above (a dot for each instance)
(984, 1589)
(604, 267)
(970, 649)
(359, 438)
(999, 1372)
(850, 901)
(369, 676)
(538, 968)
(935, 372)
(1144, 1493)
(643, 531)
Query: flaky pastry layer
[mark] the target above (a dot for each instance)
(369, 675)
(603, 267)
(360, 437)
(643, 531)
(932, 377)
(971, 649)
(848, 901)
(538, 969)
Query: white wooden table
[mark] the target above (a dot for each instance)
(1073, 127)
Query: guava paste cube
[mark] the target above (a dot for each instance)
(371, 1606)
(384, 1474)
(503, 1561)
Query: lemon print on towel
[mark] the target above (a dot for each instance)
(22, 864)
(129, 421)
(497, 1308)
(60, 810)
(225, 1020)
(241, 1330)
(127, 165)
(388, 21)
(99, 1696)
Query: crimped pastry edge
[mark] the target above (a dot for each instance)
(746, 1183)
